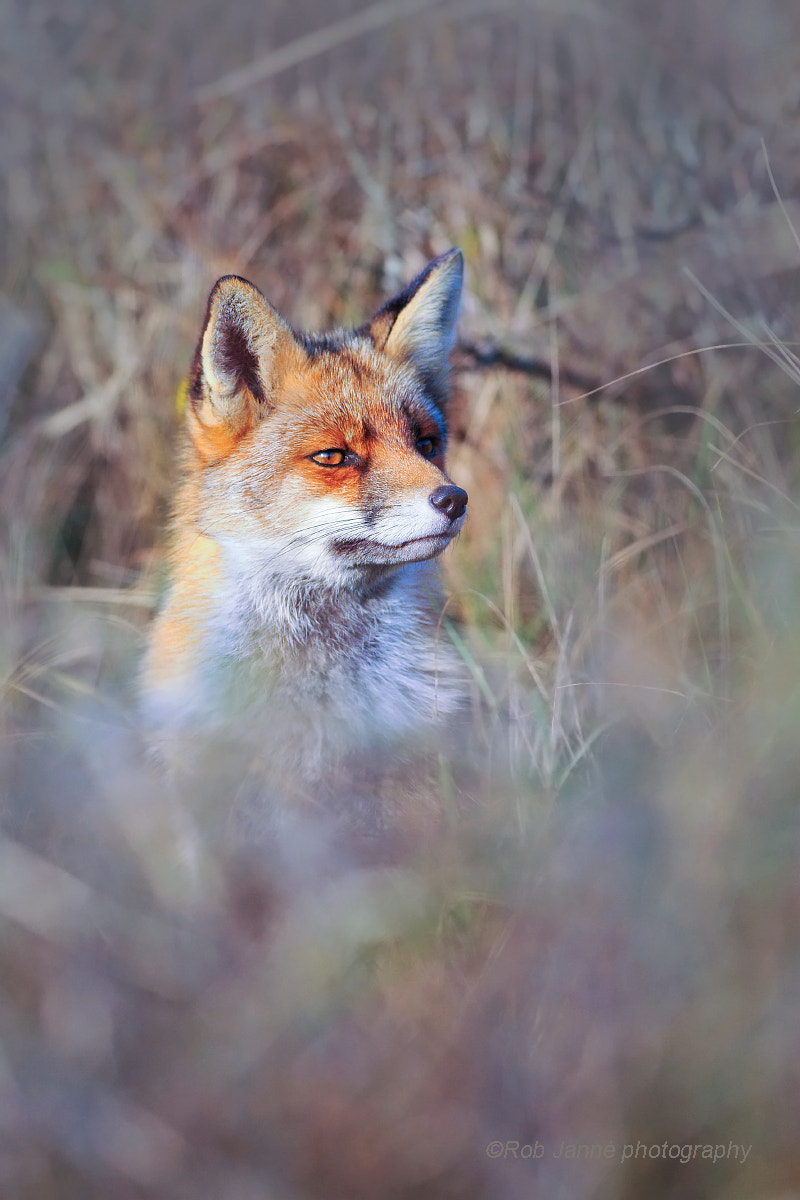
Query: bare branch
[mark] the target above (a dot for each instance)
(310, 45)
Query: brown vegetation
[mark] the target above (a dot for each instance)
(609, 954)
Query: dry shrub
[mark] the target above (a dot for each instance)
(603, 951)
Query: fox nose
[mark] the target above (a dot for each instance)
(450, 500)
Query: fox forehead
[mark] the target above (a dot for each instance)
(358, 393)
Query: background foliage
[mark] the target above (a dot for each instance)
(608, 953)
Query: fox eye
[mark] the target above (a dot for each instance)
(329, 458)
(427, 446)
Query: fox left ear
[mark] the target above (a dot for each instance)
(418, 325)
(244, 351)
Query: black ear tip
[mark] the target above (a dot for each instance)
(231, 284)
(451, 265)
(452, 257)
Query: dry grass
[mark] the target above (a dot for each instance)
(606, 952)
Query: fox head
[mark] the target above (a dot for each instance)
(320, 458)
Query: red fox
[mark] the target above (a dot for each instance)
(304, 598)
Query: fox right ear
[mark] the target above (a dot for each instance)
(244, 350)
(418, 325)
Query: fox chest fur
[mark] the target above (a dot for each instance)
(304, 600)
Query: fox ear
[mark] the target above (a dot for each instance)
(418, 325)
(244, 351)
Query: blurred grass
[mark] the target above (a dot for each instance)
(604, 949)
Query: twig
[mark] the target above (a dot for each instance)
(310, 45)
(133, 597)
(491, 355)
(663, 362)
(773, 349)
(777, 194)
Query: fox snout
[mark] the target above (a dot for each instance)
(450, 500)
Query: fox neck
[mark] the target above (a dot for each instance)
(286, 618)
(368, 658)
(362, 660)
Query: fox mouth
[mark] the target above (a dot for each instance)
(366, 552)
